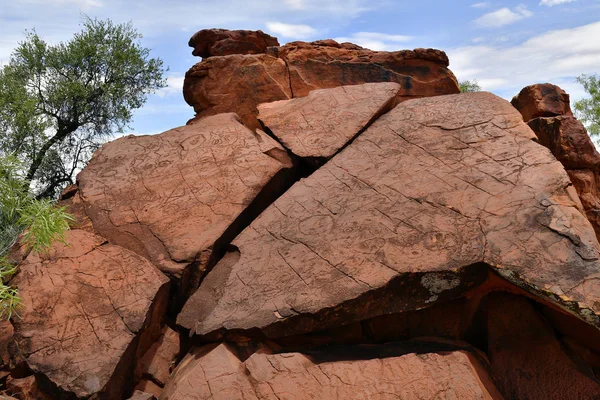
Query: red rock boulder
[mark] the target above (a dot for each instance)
(327, 64)
(90, 309)
(412, 213)
(316, 127)
(223, 42)
(542, 100)
(178, 197)
(240, 82)
(215, 372)
(527, 360)
(550, 117)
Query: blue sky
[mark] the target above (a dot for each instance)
(505, 45)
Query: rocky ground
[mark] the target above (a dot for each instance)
(335, 223)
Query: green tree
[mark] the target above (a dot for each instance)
(59, 103)
(41, 221)
(588, 109)
(469, 86)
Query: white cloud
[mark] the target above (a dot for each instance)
(556, 56)
(551, 3)
(480, 5)
(503, 16)
(295, 4)
(291, 30)
(84, 5)
(376, 41)
(174, 86)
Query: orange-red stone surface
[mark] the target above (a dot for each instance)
(88, 308)
(319, 125)
(411, 213)
(173, 197)
(216, 373)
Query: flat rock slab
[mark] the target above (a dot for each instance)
(413, 212)
(88, 307)
(319, 125)
(216, 373)
(171, 197)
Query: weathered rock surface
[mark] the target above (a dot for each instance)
(223, 42)
(236, 83)
(216, 373)
(412, 213)
(567, 139)
(176, 197)
(89, 309)
(542, 100)
(139, 395)
(27, 388)
(319, 125)
(327, 64)
(161, 357)
(526, 358)
(240, 82)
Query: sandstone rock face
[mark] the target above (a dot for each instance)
(319, 125)
(174, 197)
(242, 80)
(327, 64)
(527, 360)
(159, 358)
(139, 395)
(369, 239)
(223, 42)
(412, 213)
(251, 80)
(567, 138)
(542, 100)
(89, 308)
(216, 373)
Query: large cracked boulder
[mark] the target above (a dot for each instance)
(373, 373)
(89, 310)
(316, 127)
(238, 81)
(178, 197)
(414, 212)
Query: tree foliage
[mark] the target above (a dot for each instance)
(59, 103)
(588, 109)
(41, 221)
(469, 86)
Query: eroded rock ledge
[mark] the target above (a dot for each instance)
(228, 80)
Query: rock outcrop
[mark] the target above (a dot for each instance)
(316, 127)
(542, 100)
(546, 109)
(90, 309)
(365, 233)
(412, 213)
(223, 42)
(367, 372)
(177, 197)
(242, 79)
